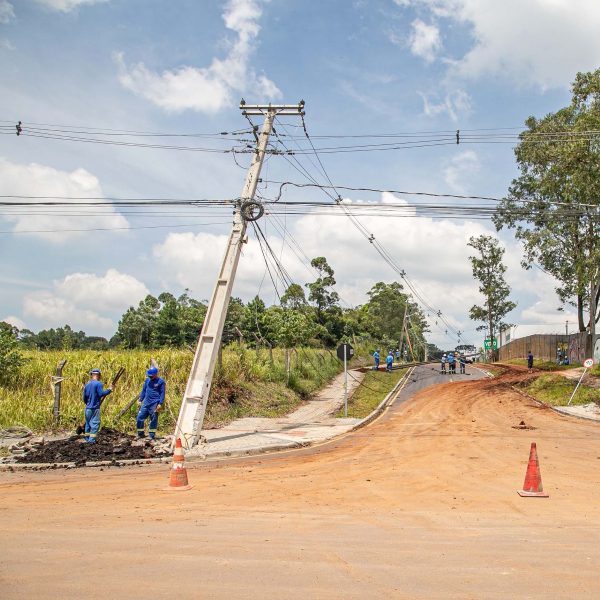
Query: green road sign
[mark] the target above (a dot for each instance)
(490, 344)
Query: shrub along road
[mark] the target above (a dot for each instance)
(420, 504)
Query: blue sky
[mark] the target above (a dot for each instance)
(376, 66)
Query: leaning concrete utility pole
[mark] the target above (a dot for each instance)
(193, 407)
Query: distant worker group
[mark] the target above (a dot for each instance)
(389, 359)
(150, 402)
(450, 359)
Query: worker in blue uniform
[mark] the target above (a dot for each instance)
(389, 361)
(93, 393)
(151, 400)
(376, 358)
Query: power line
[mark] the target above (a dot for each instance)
(387, 257)
(114, 228)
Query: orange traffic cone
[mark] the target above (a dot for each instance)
(533, 477)
(178, 480)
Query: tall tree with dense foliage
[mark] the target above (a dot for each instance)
(325, 301)
(390, 313)
(554, 205)
(489, 271)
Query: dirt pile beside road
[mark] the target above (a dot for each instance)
(111, 445)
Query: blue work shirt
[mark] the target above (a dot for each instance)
(376, 356)
(389, 360)
(153, 392)
(93, 392)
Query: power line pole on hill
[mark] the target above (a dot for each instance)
(193, 407)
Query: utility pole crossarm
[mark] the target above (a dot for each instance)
(193, 407)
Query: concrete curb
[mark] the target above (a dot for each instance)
(298, 445)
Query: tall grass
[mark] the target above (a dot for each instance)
(246, 383)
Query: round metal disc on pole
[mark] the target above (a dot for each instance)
(252, 211)
(345, 351)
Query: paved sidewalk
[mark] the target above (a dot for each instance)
(312, 422)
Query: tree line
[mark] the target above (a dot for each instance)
(309, 315)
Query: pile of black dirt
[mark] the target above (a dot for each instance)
(110, 445)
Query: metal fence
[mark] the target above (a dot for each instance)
(576, 346)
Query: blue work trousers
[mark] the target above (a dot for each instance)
(92, 424)
(143, 414)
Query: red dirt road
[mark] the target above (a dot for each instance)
(421, 504)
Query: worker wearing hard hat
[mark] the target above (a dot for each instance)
(151, 401)
(93, 392)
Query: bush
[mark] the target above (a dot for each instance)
(10, 357)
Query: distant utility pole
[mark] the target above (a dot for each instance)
(193, 407)
(567, 328)
(403, 327)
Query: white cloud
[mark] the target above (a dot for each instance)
(424, 40)
(192, 261)
(83, 300)
(454, 103)
(207, 89)
(460, 171)
(6, 11)
(53, 311)
(532, 42)
(14, 321)
(6, 44)
(67, 5)
(40, 180)
(111, 291)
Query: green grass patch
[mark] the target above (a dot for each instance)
(246, 384)
(543, 365)
(556, 391)
(373, 389)
(495, 371)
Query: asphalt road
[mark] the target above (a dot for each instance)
(424, 376)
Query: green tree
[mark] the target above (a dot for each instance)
(136, 325)
(167, 325)
(290, 327)
(293, 297)
(489, 270)
(191, 315)
(386, 308)
(234, 320)
(10, 357)
(559, 162)
(326, 302)
(253, 322)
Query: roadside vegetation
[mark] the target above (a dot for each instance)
(542, 365)
(372, 390)
(556, 391)
(493, 369)
(246, 383)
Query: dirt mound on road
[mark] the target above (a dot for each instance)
(111, 445)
